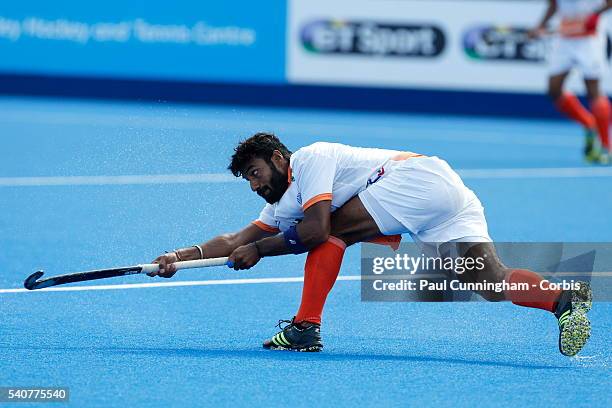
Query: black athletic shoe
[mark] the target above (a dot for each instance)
(591, 151)
(296, 337)
(574, 325)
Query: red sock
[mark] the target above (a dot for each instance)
(392, 241)
(601, 110)
(571, 106)
(535, 296)
(320, 273)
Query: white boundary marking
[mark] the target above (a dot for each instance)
(384, 125)
(553, 172)
(117, 180)
(174, 284)
(518, 173)
(246, 281)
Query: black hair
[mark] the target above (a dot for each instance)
(261, 145)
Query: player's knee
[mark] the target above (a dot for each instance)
(347, 239)
(493, 296)
(554, 93)
(555, 87)
(496, 275)
(593, 94)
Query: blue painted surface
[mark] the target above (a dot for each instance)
(191, 40)
(434, 101)
(201, 345)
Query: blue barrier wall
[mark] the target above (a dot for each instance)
(185, 40)
(300, 96)
(244, 52)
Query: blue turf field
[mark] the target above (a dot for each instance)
(200, 345)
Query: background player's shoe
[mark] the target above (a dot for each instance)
(574, 325)
(604, 158)
(591, 151)
(296, 337)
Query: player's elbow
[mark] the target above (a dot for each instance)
(315, 236)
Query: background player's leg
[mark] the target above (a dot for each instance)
(555, 86)
(568, 103)
(600, 106)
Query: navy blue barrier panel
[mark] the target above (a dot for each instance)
(282, 95)
(233, 41)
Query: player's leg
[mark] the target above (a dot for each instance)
(569, 306)
(349, 224)
(494, 271)
(354, 223)
(321, 270)
(589, 57)
(464, 220)
(600, 107)
(568, 103)
(561, 59)
(555, 86)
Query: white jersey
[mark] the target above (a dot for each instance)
(575, 46)
(578, 9)
(573, 14)
(325, 171)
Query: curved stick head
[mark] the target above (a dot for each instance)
(30, 282)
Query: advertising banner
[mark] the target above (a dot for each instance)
(459, 271)
(457, 45)
(237, 41)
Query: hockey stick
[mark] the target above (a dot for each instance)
(33, 282)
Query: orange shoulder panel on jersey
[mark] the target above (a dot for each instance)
(265, 227)
(316, 199)
(574, 28)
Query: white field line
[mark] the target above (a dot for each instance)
(117, 180)
(518, 173)
(213, 120)
(251, 281)
(174, 284)
(553, 172)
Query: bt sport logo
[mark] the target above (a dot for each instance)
(488, 42)
(372, 38)
(501, 43)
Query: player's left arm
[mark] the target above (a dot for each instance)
(311, 232)
(605, 7)
(591, 22)
(308, 234)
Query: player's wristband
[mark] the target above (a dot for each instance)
(293, 242)
(178, 256)
(200, 250)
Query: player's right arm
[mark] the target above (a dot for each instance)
(222, 245)
(541, 28)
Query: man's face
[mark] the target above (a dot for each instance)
(266, 179)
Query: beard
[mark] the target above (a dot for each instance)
(278, 186)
